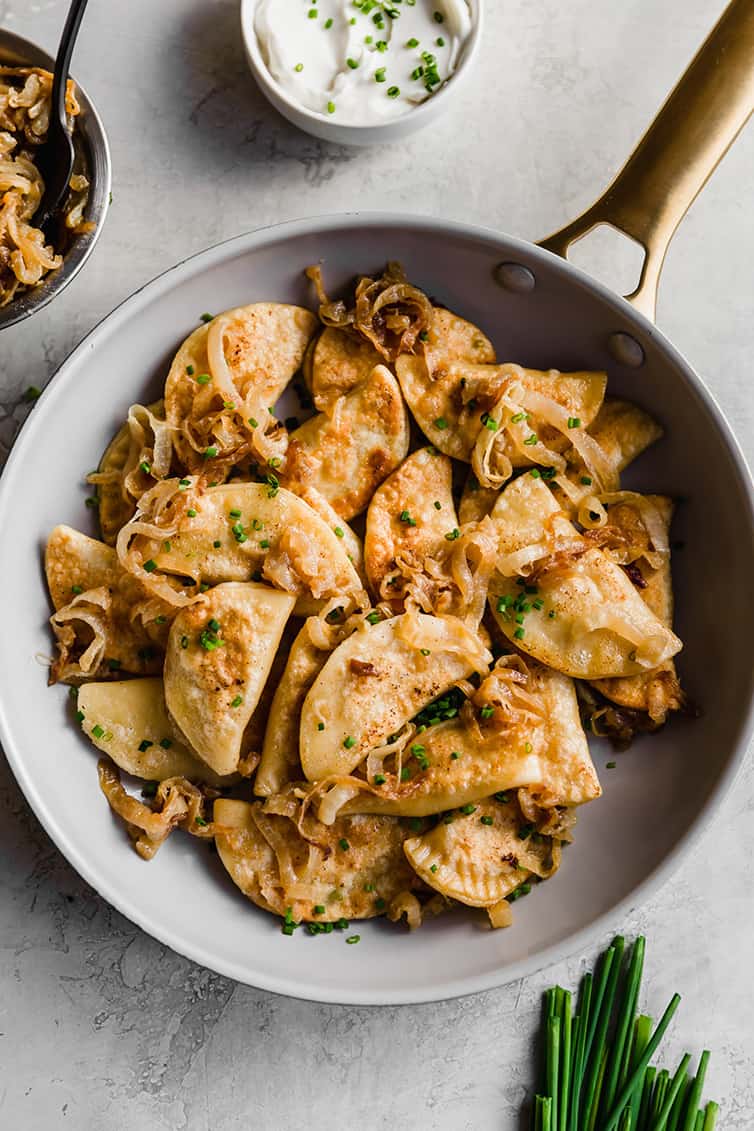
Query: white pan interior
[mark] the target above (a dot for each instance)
(662, 790)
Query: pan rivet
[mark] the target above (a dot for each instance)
(515, 277)
(626, 350)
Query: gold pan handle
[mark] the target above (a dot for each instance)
(679, 152)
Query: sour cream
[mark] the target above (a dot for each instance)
(361, 62)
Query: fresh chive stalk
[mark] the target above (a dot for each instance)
(646, 1056)
(676, 1111)
(612, 970)
(646, 1096)
(582, 1023)
(565, 1060)
(695, 1094)
(642, 1033)
(676, 1084)
(710, 1116)
(625, 1022)
(596, 1072)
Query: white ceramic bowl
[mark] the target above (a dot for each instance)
(663, 791)
(321, 126)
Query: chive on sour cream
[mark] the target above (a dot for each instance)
(361, 62)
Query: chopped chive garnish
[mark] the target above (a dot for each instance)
(237, 701)
(320, 726)
(519, 417)
(203, 379)
(330, 107)
(145, 467)
(439, 18)
(166, 743)
(299, 68)
(452, 535)
(210, 452)
(349, 741)
(586, 480)
(531, 440)
(412, 42)
(150, 565)
(467, 810)
(352, 63)
(454, 755)
(191, 512)
(441, 423)
(338, 531)
(352, 939)
(393, 91)
(343, 844)
(574, 422)
(76, 589)
(487, 712)
(487, 820)
(97, 730)
(207, 317)
(328, 23)
(380, 74)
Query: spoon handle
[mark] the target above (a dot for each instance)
(63, 59)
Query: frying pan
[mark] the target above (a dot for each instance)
(540, 311)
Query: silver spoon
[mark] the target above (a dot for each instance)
(55, 156)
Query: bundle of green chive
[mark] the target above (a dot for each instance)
(597, 1075)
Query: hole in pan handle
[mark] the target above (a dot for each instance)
(679, 152)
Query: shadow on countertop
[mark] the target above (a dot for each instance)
(227, 117)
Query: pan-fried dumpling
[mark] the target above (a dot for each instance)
(105, 621)
(480, 857)
(378, 679)
(577, 611)
(226, 376)
(74, 563)
(128, 721)
(655, 692)
(352, 544)
(307, 655)
(219, 655)
(623, 430)
(451, 338)
(476, 501)
(453, 405)
(339, 361)
(139, 452)
(237, 532)
(521, 728)
(453, 763)
(353, 869)
(347, 452)
(409, 514)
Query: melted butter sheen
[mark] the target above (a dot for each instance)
(335, 72)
